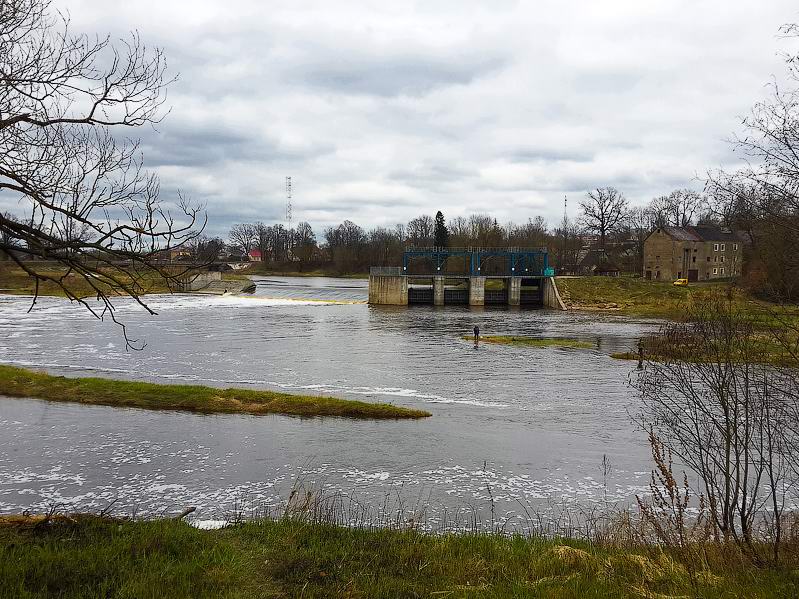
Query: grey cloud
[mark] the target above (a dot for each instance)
(425, 175)
(391, 75)
(523, 155)
(181, 144)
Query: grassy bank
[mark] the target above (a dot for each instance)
(763, 351)
(20, 382)
(15, 281)
(534, 341)
(91, 557)
(257, 268)
(639, 297)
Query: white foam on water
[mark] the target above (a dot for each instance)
(209, 524)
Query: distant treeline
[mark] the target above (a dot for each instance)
(606, 223)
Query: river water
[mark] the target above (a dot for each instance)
(511, 427)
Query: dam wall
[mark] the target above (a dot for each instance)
(388, 287)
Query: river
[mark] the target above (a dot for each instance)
(512, 428)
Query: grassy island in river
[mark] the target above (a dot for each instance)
(534, 341)
(20, 382)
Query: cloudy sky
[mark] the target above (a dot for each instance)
(380, 111)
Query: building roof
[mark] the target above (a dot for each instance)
(681, 233)
(715, 234)
(701, 234)
(255, 253)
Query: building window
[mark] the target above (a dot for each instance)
(722, 259)
(694, 260)
(723, 246)
(708, 258)
(734, 247)
(722, 271)
(715, 271)
(715, 258)
(715, 247)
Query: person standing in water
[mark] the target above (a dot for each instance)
(476, 335)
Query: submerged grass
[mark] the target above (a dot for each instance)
(93, 557)
(535, 341)
(20, 382)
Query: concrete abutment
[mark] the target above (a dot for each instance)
(392, 290)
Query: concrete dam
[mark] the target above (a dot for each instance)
(467, 277)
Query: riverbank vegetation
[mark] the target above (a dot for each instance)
(635, 296)
(534, 341)
(729, 411)
(83, 556)
(20, 382)
(15, 281)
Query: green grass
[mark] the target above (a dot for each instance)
(92, 557)
(764, 351)
(637, 296)
(15, 281)
(20, 382)
(261, 269)
(534, 341)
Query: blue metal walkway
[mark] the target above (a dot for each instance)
(518, 262)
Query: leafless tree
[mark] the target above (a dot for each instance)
(568, 242)
(603, 211)
(728, 417)
(345, 245)
(762, 197)
(305, 243)
(682, 207)
(485, 231)
(243, 237)
(420, 231)
(641, 222)
(86, 202)
(6, 240)
(204, 250)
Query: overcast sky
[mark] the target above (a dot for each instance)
(380, 111)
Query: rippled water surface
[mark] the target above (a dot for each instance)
(527, 424)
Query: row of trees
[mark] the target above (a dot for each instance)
(606, 221)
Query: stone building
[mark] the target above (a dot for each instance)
(693, 253)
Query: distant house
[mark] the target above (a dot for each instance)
(597, 262)
(693, 253)
(254, 255)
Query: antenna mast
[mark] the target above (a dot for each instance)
(288, 201)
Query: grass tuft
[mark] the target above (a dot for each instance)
(21, 382)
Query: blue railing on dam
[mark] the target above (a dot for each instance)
(518, 262)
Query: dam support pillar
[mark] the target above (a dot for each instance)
(515, 291)
(550, 296)
(477, 291)
(388, 290)
(438, 291)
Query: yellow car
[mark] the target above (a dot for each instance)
(680, 283)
